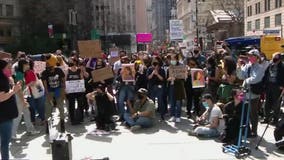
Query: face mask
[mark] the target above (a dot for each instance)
(275, 60)
(252, 59)
(140, 96)
(205, 104)
(7, 72)
(173, 62)
(195, 52)
(71, 64)
(240, 97)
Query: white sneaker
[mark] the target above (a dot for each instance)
(178, 120)
(172, 119)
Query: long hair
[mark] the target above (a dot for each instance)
(3, 64)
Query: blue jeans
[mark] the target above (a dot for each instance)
(158, 92)
(206, 132)
(175, 104)
(5, 135)
(126, 93)
(144, 122)
(37, 105)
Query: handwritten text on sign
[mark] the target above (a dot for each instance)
(179, 72)
(75, 86)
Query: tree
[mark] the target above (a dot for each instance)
(234, 8)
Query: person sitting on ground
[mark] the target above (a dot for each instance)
(104, 102)
(210, 123)
(143, 112)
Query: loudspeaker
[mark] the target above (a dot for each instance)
(61, 147)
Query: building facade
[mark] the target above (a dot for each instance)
(264, 17)
(9, 23)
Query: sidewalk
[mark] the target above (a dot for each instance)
(165, 141)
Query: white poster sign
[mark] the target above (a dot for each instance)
(75, 86)
(176, 30)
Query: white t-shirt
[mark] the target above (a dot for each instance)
(216, 112)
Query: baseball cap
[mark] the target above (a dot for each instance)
(254, 52)
(143, 91)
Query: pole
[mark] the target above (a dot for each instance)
(196, 22)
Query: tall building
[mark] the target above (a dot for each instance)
(263, 17)
(161, 16)
(143, 16)
(9, 22)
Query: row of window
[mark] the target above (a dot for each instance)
(8, 8)
(277, 19)
(267, 7)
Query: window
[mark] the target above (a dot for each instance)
(266, 5)
(257, 24)
(266, 22)
(278, 3)
(9, 10)
(257, 8)
(8, 32)
(249, 11)
(249, 26)
(278, 20)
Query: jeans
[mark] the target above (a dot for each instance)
(126, 93)
(206, 131)
(23, 111)
(158, 92)
(175, 104)
(37, 105)
(5, 136)
(144, 122)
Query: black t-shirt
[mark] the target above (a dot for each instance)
(8, 108)
(155, 79)
(73, 75)
(53, 79)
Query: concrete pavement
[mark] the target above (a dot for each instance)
(165, 141)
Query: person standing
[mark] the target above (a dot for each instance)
(8, 109)
(274, 82)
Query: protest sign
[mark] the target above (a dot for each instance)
(102, 74)
(198, 78)
(176, 30)
(90, 48)
(75, 86)
(128, 72)
(179, 72)
(39, 66)
(114, 55)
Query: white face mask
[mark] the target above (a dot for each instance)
(173, 62)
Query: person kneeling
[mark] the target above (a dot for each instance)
(143, 112)
(104, 102)
(210, 124)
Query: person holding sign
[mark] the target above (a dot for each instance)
(74, 73)
(176, 92)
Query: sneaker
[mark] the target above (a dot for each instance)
(34, 132)
(135, 128)
(172, 119)
(178, 120)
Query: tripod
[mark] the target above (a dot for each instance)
(269, 120)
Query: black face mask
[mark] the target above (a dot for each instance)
(275, 60)
(71, 64)
(140, 96)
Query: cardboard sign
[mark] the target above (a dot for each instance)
(198, 78)
(4, 55)
(179, 72)
(90, 48)
(102, 74)
(75, 86)
(128, 72)
(39, 66)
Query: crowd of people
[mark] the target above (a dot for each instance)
(135, 95)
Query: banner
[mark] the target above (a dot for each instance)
(198, 78)
(176, 30)
(143, 37)
(179, 72)
(102, 74)
(90, 48)
(75, 86)
(128, 72)
(39, 66)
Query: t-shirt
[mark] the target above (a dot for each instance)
(147, 106)
(155, 79)
(73, 75)
(8, 108)
(216, 112)
(273, 74)
(53, 78)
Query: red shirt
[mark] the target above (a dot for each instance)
(30, 76)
